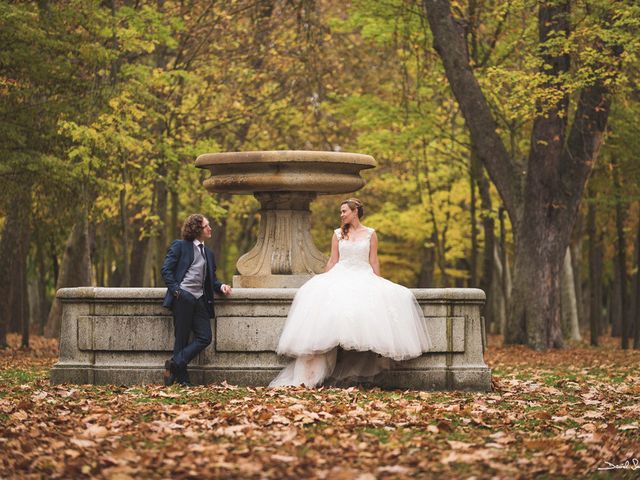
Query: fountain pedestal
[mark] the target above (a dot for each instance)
(284, 254)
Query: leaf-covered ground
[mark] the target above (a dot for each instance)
(551, 415)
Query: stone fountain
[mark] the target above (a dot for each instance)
(284, 182)
(123, 335)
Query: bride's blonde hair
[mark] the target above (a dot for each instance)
(353, 204)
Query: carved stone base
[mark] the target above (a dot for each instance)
(284, 247)
(123, 336)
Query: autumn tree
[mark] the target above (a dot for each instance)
(543, 193)
(613, 218)
(106, 104)
(48, 72)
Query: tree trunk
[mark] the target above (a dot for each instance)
(570, 325)
(578, 285)
(138, 275)
(247, 237)
(18, 288)
(175, 225)
(20, 294)
(506, 285)
(161, 241)
(473, 174)
(576, 264)
(543, 202)
(437, 237)
(13, 251)
(75, 270)
(34, 304)
(488, 225)
(100, 259)
(636, 316)
(55, 264)
(499, 285)
(534, 308)
(633, 298)
(621, 259)
(41, 290)
(595, 276)
(38, 303)
(219, 239)
(615, 303)
(139, 253)
(425, 278)
(23, 302)
(541, 238)
(449, 42)
(124, 225)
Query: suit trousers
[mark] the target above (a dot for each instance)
(190, 314)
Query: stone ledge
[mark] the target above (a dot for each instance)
(459, 295)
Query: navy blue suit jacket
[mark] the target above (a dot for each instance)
(178, 260)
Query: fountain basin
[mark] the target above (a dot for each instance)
(285, 171)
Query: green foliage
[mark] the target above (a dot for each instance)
(400, 111)
(108, 109)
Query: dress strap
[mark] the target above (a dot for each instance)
(338, 232)
(370, 232)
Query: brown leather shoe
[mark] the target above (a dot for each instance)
(169, 374)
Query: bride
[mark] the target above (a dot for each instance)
(371, 319)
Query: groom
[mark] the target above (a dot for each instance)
(189, 271)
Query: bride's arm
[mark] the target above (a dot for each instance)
(373, 254)
(335, 254)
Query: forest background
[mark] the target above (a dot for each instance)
(106, 104)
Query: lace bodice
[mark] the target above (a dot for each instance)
(354, 252)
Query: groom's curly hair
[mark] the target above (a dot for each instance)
(192, 227)
(353, 204)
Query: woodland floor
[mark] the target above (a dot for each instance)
(560, 414)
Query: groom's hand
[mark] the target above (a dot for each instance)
(225, 289)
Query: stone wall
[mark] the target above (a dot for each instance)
(124, 335)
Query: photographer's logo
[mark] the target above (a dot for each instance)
(632, 464)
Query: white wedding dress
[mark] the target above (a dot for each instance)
(373, 320)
